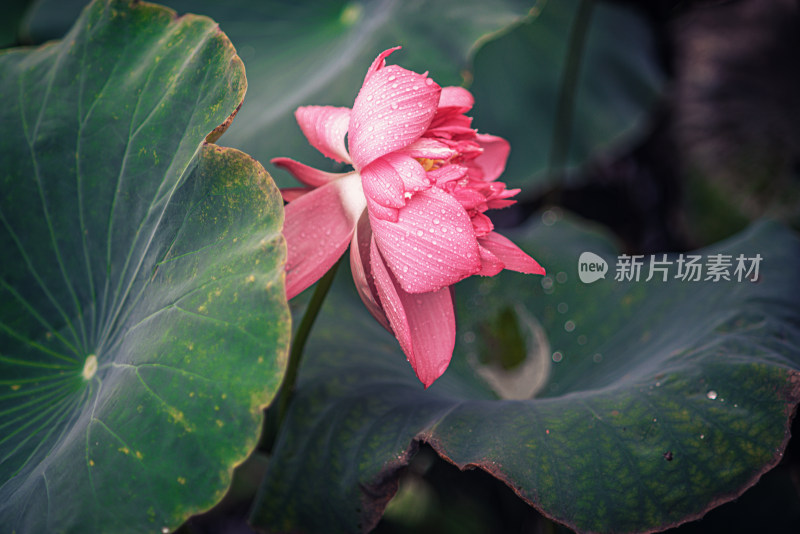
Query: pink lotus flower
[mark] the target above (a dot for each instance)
(411, 210)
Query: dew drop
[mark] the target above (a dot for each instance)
(711, 394)
(415, 87)
(419, 233)
(394, 105)
(436, 221)
(557, 356)
(428, 81)
(391, 78)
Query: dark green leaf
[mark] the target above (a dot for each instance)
(520, 79)
(142, 313)
(318, 53)
(661, 399)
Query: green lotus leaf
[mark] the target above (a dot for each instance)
(317, 54)
(143, 321)
(647, 402)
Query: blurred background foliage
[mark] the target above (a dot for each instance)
(674, 123)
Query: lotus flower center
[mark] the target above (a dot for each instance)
(429, 164)
(90, 367)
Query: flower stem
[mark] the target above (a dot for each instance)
(276, 413)
(562, 125)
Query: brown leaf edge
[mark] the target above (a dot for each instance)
(377, 494)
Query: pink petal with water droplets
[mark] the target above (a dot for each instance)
(481, 224)
(425, 147)
(382, 212)
(424, 324)
(492, 162)
(318, 227)
(308, 175)
(410, 171)
(490, 264)
(382, 184)
(432, 244)
(293, 193)
(325, 128)
(470, 199)
(510, 254)
(447, 174)
(380, 61)
(360, 266)
(392, 110)
(455, 100)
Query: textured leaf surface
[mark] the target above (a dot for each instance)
(142, 317)
(662, 399)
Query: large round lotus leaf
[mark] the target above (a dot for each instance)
(142, 311)
(654, 401)
(318, 52)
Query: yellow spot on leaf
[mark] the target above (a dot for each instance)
(138, 455)
(251, 278)
(260, 359)
(124, 450)
(90, 367)
(15, 387)
(91, 463)
(181, 480)
(220, 423)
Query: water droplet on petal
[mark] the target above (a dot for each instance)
(428, 81)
